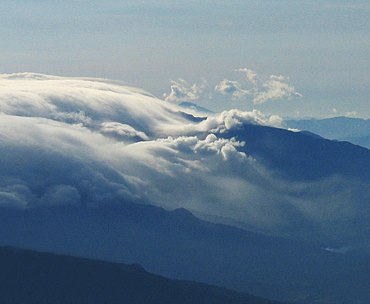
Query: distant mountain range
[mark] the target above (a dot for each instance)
(354, 130)
(195, 107)
(303, 156)
(314, 166)
(29, 277)
(178, 245)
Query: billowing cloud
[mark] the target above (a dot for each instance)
(181, 90)
(257, 90)
(232, 88)
(277, 87)
(123, 131)
(235, 119)
(251, 88)
(250, 75)
(85, 101)
(93, 142)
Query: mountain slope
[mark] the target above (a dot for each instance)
(319, 186)
(354, 130)
(300, 156)
(33, 277)
(194, 107)
(85, 164)
(178, 245)
(92, 142)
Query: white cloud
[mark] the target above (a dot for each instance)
(250, 75)
(181, 90)
(251, 88)
(232, 88)
(351, 114)
(86, 141)
(122, 131)
(226, 148)
(256, 89)
(235, 119)
(277, 87)
(85, 101)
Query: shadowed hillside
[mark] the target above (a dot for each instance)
(32, 277)
(178, 245)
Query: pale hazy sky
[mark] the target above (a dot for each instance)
(323, 46)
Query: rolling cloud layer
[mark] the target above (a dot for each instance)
(94, 141)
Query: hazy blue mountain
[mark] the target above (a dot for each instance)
(303, 156)
(360, 140)
(195, 107)
(354, 130)
(339, 171)
(28, 277)
(178, 245)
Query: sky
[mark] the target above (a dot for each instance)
(312, 58)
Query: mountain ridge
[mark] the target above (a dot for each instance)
(37, 277)
(354, 130)
(179, 245)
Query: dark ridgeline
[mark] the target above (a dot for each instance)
(178, 245)
(303, 156)
(354, 130)
(28, 277)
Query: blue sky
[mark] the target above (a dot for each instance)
(322, 46)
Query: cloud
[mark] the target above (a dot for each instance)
(351, 114)
(181, 90)
(92, 142)
(61, 195)
(255, 89)
(233, 88)
(91, 103)
(234, 119)
(277, 87)
(251, 88)
(122, 131)
(9, 197)
(250, 75)
(225, 148)
(52, 163)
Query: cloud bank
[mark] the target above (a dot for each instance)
(82, 141)
(257, 90)
(277, 87)
(251, 88)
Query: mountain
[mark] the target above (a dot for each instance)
(194, 107)
(34, 277)
(301, 156)
(354, 130)
(94, 168)
(178, 245)
(328, 181)
(91, 142)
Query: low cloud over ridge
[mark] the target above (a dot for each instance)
(92, 141)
